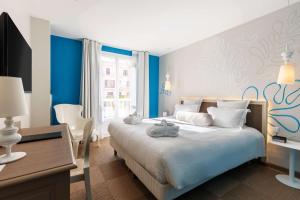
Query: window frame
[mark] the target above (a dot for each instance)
(116, 89)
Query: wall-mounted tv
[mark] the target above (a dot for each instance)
(15, 53)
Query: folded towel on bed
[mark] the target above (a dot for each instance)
(132, 119)
(164, 129)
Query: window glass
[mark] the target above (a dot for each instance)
(119, 92)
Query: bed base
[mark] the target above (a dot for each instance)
(160, 191)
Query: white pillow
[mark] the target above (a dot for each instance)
(241, 104)
(228, 117)
(238, 104)
(189, 108)
(198, 119)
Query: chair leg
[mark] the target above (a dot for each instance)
(75, 148)
(98, 141)
(87, 183)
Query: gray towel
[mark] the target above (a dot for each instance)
(164, 129)
(132, 119)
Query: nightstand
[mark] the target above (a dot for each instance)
(290, 179)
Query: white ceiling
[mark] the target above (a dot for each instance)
(158, 26)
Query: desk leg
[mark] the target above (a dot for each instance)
(290, 179)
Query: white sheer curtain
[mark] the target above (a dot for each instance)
(142, 83)
(90, 83)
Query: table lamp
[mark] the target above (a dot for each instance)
(12, 103)
(287, 70)
(168, 83)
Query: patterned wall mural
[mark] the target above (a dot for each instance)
(284, 100)
(243, 58)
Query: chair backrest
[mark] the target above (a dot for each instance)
(68, 113)
(87, 136)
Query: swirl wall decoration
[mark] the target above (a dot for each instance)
(283, 98)
(249, 88)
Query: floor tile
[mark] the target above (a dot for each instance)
(243, 172)
(197, 194)
(221, 184)
(101, 192)
(243, 192)
(114, 169)
(78, 186)
(96, 175)
(269, 186)
(123, 188)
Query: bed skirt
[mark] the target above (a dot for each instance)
(160, 191)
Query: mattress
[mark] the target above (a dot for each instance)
(196, 155)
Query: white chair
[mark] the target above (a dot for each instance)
(71, 115)
(82, 172)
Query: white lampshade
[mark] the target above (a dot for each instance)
(12, 97)
(167, 85)
(286, 74)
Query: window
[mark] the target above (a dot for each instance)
(107, 71)
(109, 94)
(119, 92)
(109, 84)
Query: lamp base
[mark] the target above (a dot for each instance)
(12, 157)
(287, 180)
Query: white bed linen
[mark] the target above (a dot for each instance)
(198, 153)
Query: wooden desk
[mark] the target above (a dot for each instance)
(44, 173)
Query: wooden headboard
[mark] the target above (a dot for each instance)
(257, 118)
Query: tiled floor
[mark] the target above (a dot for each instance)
(111, 180)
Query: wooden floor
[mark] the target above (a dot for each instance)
(111, 180)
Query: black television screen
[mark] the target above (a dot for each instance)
(15, 53)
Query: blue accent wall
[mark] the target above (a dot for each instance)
(66, 56)
(116, 50)
(153, 85)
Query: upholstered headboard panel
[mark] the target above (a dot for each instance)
(257, 118)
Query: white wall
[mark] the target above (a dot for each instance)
(40, 98)
(22, 21)
(224, 65)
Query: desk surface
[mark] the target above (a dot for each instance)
(43, 157)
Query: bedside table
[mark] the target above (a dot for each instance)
(290, 179)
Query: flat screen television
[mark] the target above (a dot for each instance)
(15, 53)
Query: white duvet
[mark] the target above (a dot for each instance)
(195, 156)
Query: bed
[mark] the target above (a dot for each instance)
(169, 167)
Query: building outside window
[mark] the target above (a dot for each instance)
(107, 71)
(119, 92)
(125, 73)
(109, 84)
